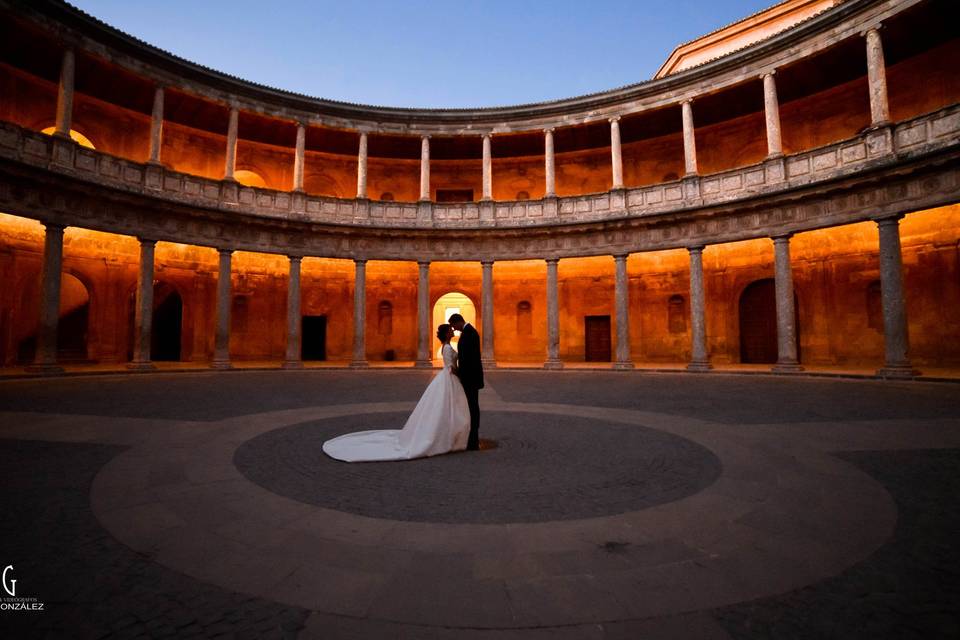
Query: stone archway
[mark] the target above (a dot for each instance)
(447, 304)
(166, 327)
(74, 319)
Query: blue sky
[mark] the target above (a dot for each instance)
(416, 53)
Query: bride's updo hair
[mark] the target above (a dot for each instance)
(442, 332)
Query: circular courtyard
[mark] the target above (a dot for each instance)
(629, 503)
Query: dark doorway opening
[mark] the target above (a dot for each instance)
(454, 195)
(597, 338)
(72, 334)
(313, 338)
(167, 320)
(758, 323)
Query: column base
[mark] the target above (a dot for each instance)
(699, 367)
(46, 369)
(359, 364)
(222, 365)
(488, 364)
(555, 365)
(141, 366)
(898, 372)
(622, 366)
(423, 364)
(787, 367)
(292, 364)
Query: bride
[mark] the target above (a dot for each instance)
(439, 424)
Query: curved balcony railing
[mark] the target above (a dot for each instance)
(883, 146)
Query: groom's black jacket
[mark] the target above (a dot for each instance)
(468, 358)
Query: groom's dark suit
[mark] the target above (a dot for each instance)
(471, 377)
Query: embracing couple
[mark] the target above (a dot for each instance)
(446, 419)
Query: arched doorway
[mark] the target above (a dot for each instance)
(74, 319)
(758, 323)
(72, 325)
(444, 307)
(167, 322)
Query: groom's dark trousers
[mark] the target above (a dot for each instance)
(471, 377)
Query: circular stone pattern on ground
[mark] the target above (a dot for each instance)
(544, 468)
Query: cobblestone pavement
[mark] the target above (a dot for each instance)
(697, 506)
(608, 469)
(91, 585)
(909, 588)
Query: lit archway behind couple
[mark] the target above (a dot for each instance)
(445, 306)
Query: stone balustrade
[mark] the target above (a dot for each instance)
(878, 147)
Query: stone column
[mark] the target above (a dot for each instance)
(786, 312)
(362, 167)
(699, 360)
(424, 358)
(689, 140)
(45, 358)
(360, 316)
(293, 359)
(622, 304)
(487, 169)
(549, 166)
(895, 336)
(231, 161)
(156, 126)
(486, 321)
(221, 348)
(877, 79)
(143, 316)
(553, 317)
(425, 168)
(615, 153)
(771, 108)
(65, 95)
(300, 157)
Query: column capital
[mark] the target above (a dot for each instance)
(360, 261)
(613, 119)
(687, 101)
(770, 73)
(54, 226)
(892, 219)
(782, 237)
(488, 135)
(486, 263)
(548, 130)
(295, 258)
(696, 248)
(552, 260)
(872, 29)
(423, 264)
(621, 257)
(425, 136)
(224, 250)
(146, 241)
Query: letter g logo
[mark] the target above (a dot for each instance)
(12, 589)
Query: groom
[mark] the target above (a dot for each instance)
(470, 372)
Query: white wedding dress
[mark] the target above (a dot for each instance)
(439, 424)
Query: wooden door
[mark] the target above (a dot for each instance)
(758, 323)
(597, 338)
